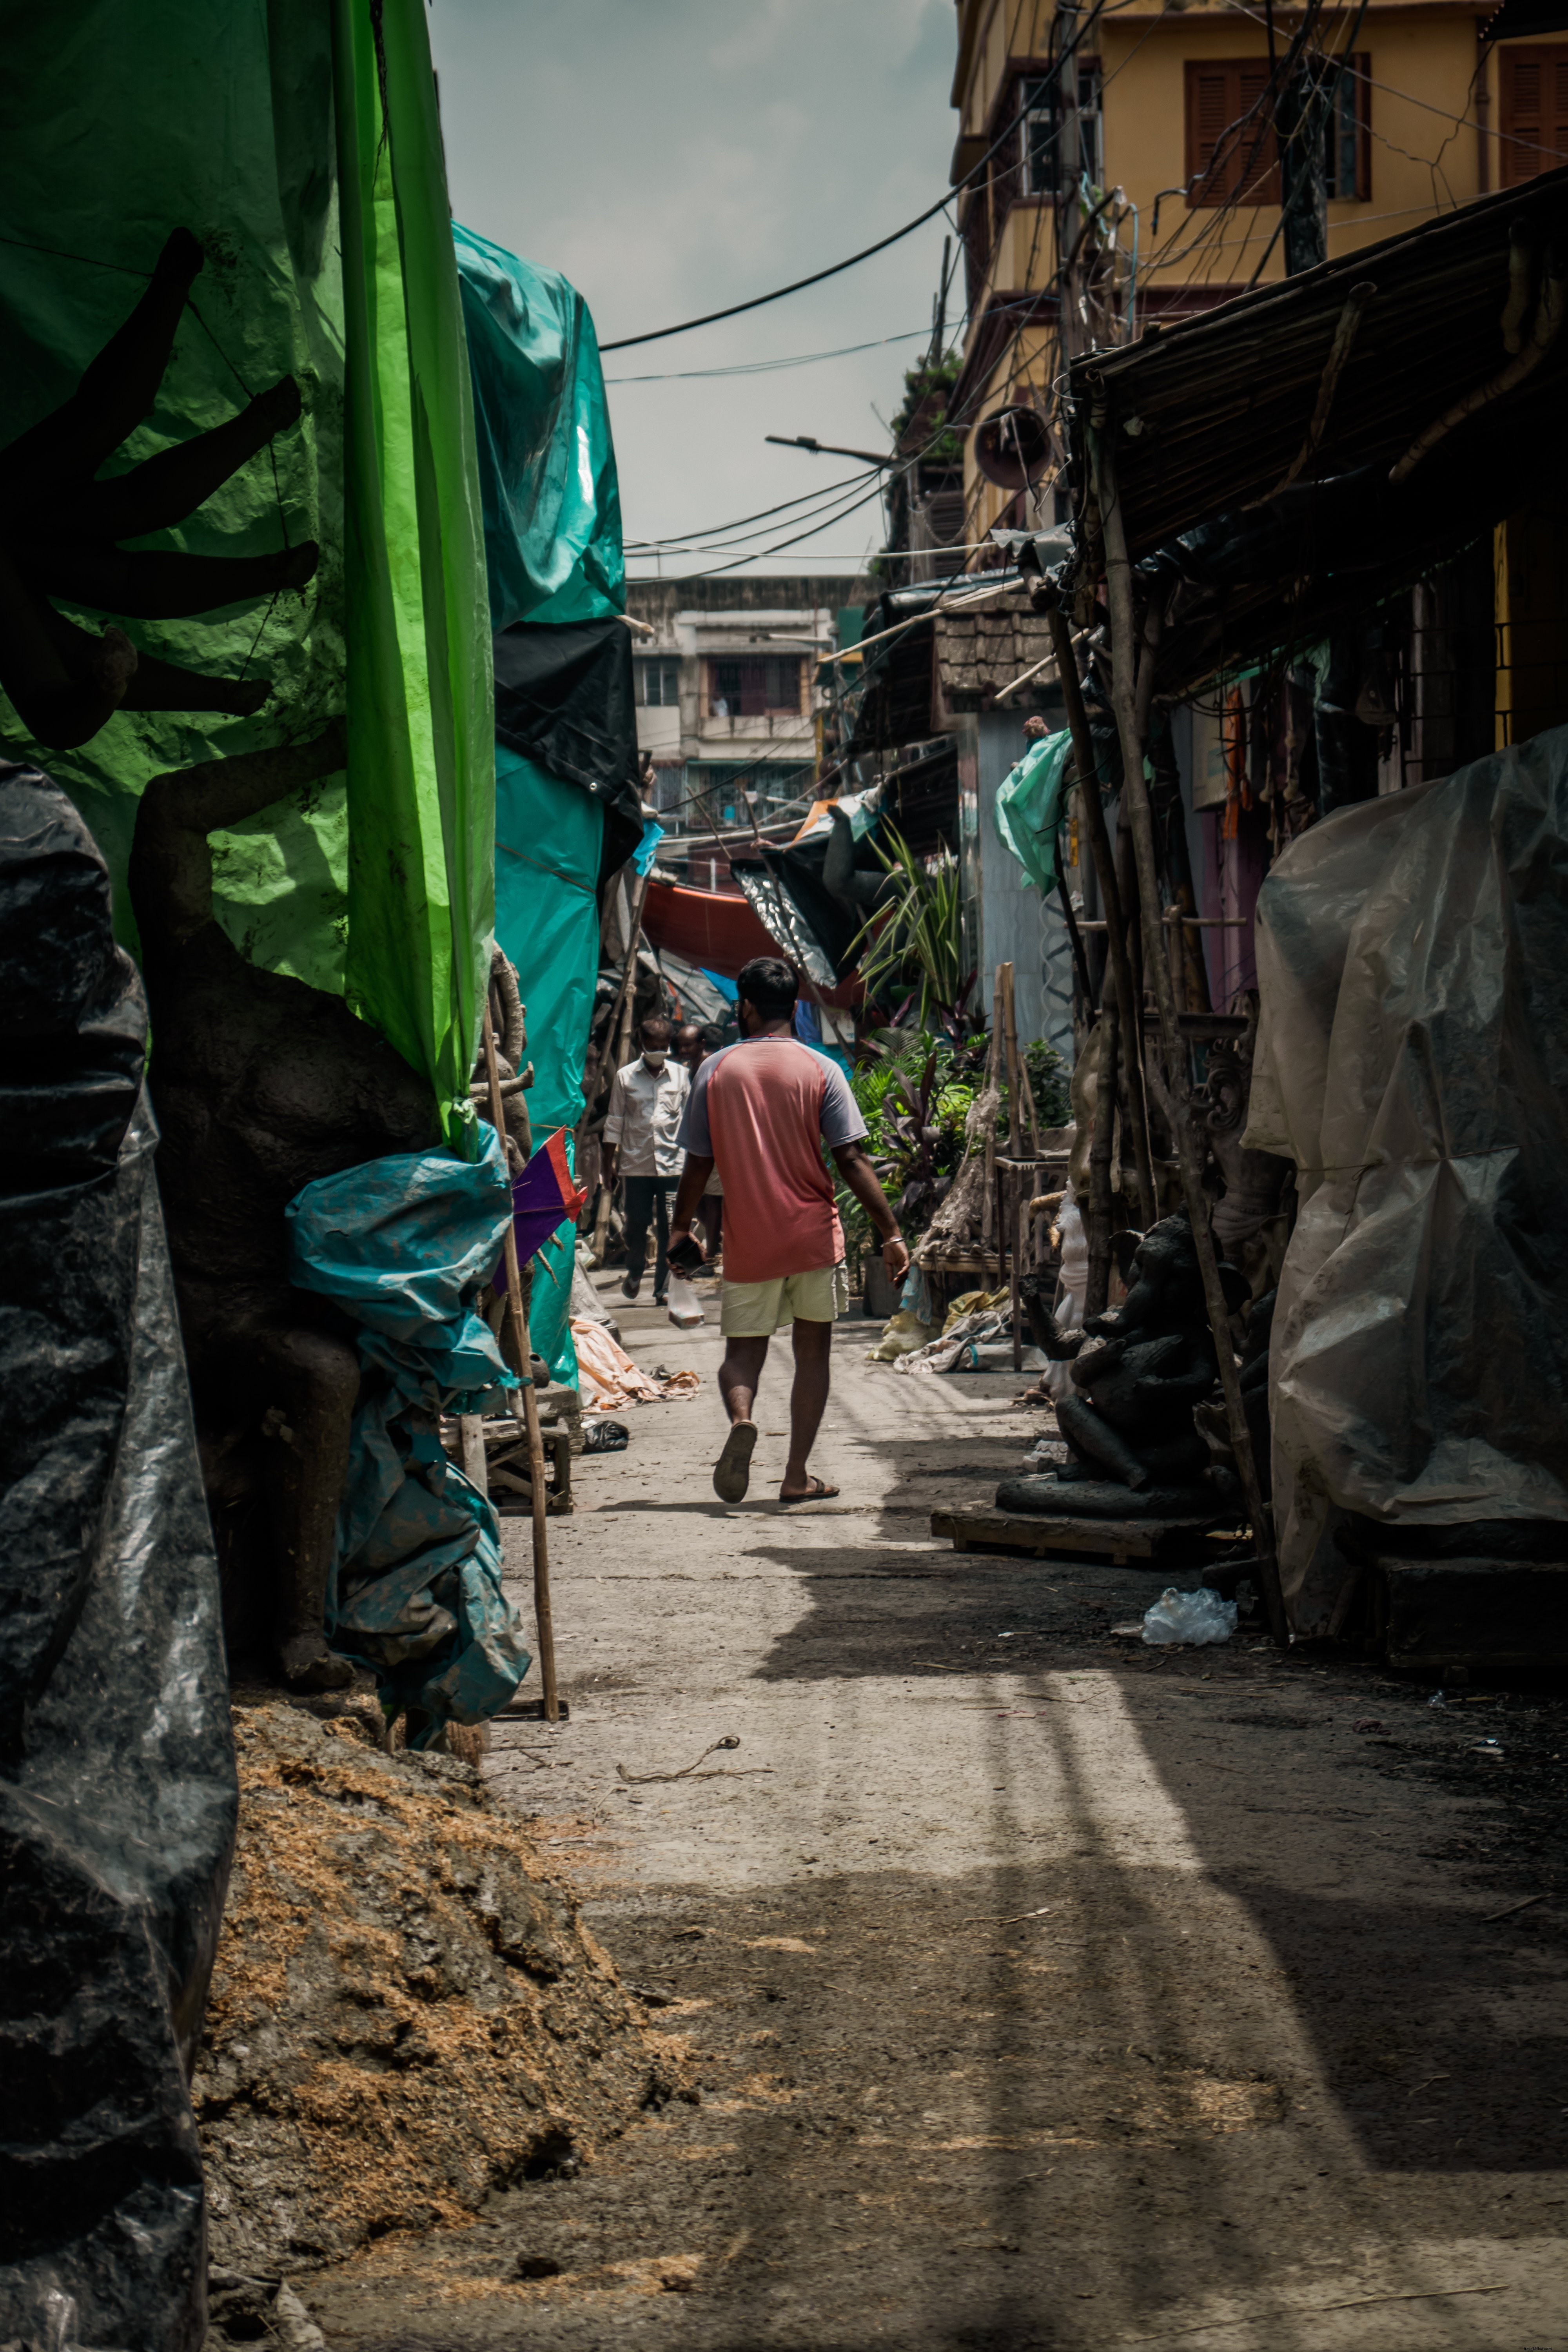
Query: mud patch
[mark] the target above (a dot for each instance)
(406, 2013)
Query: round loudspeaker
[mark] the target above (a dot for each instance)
(1013, 448)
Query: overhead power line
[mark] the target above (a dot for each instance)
(767, 367)
(710, 317)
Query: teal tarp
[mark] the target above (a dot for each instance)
(547, 462)
(548, 838)
(553, 551)
(1029, 807)
(402, 1244)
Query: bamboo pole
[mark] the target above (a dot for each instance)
(525, 1409)
(1116, 917)
(1125, 702)
(1007, 1185)
(1097, 1287)
(617, 1038)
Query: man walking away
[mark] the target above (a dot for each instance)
(646, 1099)
(761, 1112)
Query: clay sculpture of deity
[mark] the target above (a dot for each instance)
(1138, 1372)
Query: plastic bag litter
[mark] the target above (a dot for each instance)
(685, 1307)
(902, 1334)
(1192, 1617)
(606, 1438)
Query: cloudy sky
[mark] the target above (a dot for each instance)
(670, 156)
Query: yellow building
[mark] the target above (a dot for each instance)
(1150, 164)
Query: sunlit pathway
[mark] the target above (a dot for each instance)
(1044, 1991)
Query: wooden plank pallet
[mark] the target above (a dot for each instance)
(1145, 1543)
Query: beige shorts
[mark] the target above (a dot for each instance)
(756, 1311)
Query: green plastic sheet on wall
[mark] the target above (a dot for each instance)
(1029, 807)
(548, 838)
(243, 155)
(421, 707)
(547, 461)
(119, 125)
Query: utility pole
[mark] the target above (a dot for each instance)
(1070, 171)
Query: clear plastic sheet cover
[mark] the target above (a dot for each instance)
(1413, 1061)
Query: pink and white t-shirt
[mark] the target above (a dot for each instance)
(762, 1110)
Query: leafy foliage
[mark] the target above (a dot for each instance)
(915, 1089)
(915, 941)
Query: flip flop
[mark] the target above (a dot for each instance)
(732, 1471)
(818, 1492)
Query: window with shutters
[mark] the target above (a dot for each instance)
(1534, 110)
(1347, 133)
(1231, 148)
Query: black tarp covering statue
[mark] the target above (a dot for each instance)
(117, 1784)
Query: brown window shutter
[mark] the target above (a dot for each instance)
(1220, 146)
(1255, 141)
(1533, 112)
(1210, 112)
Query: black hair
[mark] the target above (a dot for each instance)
(768, 982)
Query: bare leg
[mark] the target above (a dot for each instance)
(311, 1380)
(739, 1377)
(808, 1403)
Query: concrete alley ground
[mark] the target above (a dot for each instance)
(1044, 1989)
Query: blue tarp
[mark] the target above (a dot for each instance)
(404, 1244)
(553, 553)
(548, 838)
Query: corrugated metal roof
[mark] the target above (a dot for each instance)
(1210, 414)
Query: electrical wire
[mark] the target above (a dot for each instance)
(756, 302)
(765, 367)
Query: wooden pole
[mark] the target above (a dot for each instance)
(471, 1433)
(1097, 1287)
(1125, 701)
(617, 1037)
(525, 1409)
(1008, 1187)
(1115, 916)
(1010, 1047)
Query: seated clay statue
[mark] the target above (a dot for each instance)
(261, 1085)
(1134, 1448)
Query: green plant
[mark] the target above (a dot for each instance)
(915, 940)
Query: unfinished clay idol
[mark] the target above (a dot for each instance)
(1135, 1452)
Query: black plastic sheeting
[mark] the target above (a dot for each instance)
(564, 698)
(117, 1783)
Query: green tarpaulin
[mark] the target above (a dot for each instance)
(420, 704)
(119, 126)
(1029, 807)
(552, 504)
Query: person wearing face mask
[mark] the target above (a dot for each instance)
(647, 1097)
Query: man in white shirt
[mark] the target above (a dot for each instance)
(647, 1101)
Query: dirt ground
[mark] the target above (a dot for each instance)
(1044, 1989)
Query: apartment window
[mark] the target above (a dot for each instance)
(1533, 112)
(1347, 133)
(752, 686)
(1039, 130)
(1231, 149)
(658, 682)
